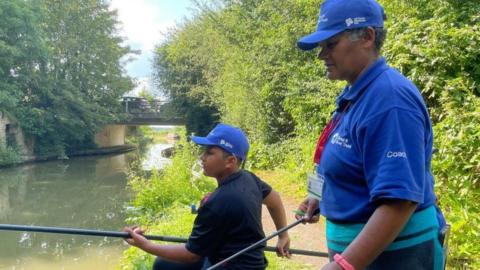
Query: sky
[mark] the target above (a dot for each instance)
(144, 23)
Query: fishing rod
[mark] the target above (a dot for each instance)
(256, 244)
(42, 229)
(74, 231)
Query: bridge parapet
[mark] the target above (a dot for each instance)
(142, 111)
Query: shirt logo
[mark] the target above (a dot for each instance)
(356, 20)
(343, 142)
(391, 154)
(226, 144)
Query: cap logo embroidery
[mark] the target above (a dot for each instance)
(349, 21)
(226, 144)
(322, 18)
(357, 20)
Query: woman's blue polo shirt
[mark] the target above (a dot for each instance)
(380, 149)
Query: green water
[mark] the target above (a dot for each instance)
(88, 193)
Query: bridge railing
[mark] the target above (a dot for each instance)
(144, 111)
(135, 105)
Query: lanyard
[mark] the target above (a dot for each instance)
(327, 131)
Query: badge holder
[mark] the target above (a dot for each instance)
(314, 186)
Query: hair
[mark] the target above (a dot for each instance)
(358, 33)
(227, 154)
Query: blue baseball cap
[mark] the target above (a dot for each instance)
(229, 138)
(339, 15)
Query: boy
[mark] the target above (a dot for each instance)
(230, 219)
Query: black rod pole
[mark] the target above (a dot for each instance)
(256, 244)
(300, 252)
(11, 227)
(43, 229)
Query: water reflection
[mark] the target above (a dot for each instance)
(84, 192)
(155, 158)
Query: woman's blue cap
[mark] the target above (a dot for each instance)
(229, 138)
(339, 15)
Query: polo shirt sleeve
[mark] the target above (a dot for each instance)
(393, 150)
(207, 233)
(264, 187)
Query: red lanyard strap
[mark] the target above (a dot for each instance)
(327, 131)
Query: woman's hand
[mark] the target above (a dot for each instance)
(332, 266)
(308, 207)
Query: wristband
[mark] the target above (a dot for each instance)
(342, 262)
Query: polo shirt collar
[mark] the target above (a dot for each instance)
(352, 92)
(230, 178)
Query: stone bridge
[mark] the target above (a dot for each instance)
(139, 111)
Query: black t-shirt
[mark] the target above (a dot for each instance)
(231, 220)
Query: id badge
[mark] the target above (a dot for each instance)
(315, 185)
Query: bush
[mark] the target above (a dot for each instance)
(9, 156)
(457, 170)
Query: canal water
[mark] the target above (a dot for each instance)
(86, 193)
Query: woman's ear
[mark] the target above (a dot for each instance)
(369, 37)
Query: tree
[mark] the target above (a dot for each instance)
(181, 73)
(22, 51)
(81, 77)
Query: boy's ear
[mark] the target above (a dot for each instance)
(232, 161)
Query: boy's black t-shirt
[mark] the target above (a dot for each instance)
(231, 220)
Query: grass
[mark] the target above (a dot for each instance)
(286, 183)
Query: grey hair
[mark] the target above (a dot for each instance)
(358, 33)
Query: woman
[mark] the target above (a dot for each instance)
(374, 156)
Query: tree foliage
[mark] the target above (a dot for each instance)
(22, 51)
(239, 57)
(61, 73)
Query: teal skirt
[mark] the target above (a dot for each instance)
(416, 247)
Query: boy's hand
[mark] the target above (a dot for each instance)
(283, 245)
(136, 237)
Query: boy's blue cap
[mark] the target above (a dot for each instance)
(229, 138)
(339, 15)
